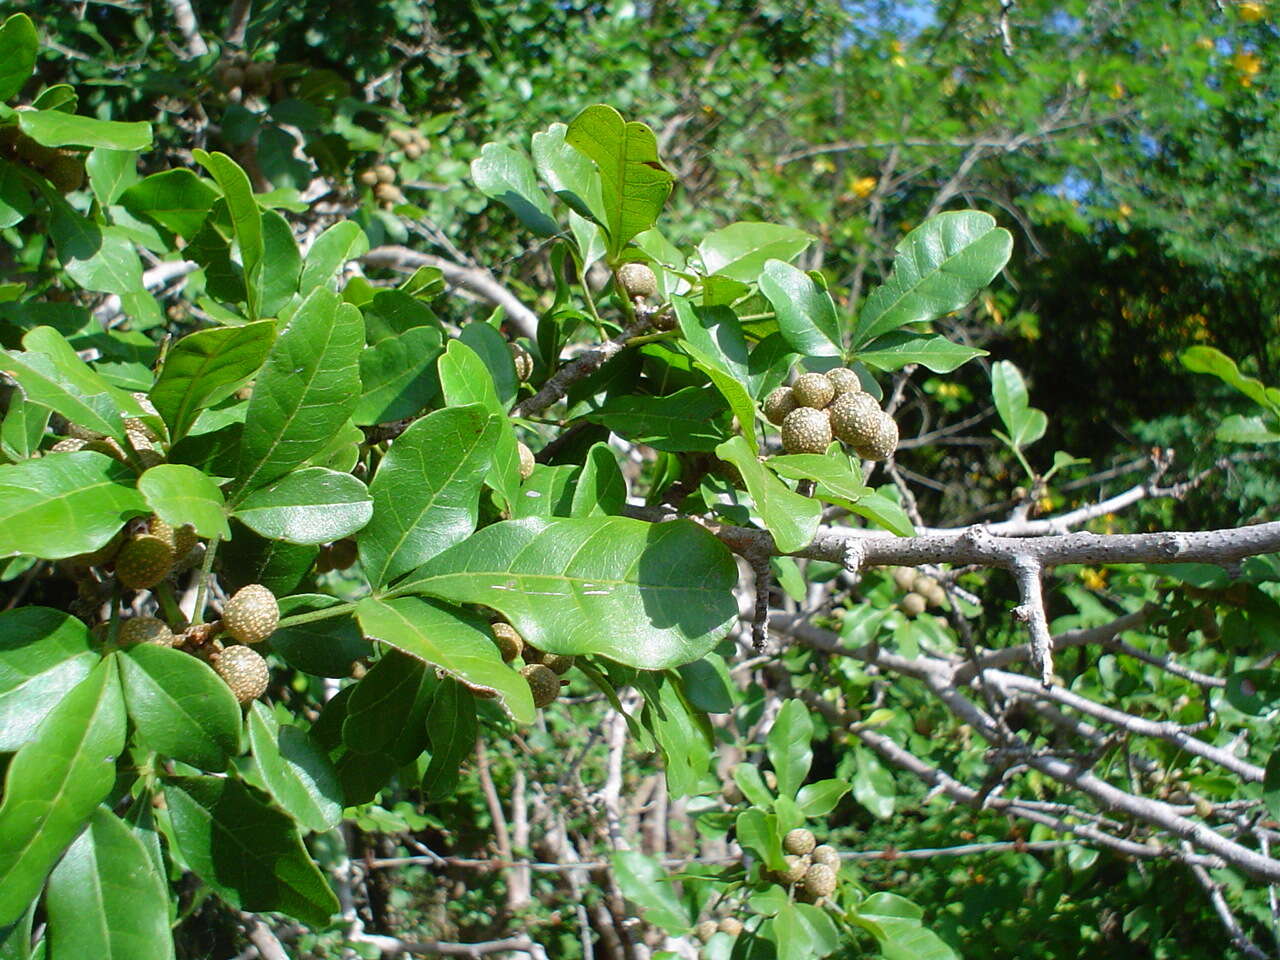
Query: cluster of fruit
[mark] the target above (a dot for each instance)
(812, 868)
(707, 929)
(248, 77)
(820, 406)
(382, 177)
(541, 670)
(922, 591)
(411, 142)
(141, 438)
(63, 168)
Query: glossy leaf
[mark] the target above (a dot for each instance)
(647, 595)
(1214, 362)
(634, 184)
(758, 831)
(44, 653)
(1024, 422)
(246, 218)
(839, 480)
(740, 250)
(894, 351)
(398, 376)
(601, 489)
(690, 419)
(788, 747)
(547, 493)
(806, 314)
(295, 771)
(791, 934)
(714, 339)
(819, 799)
(53, 128)
(106, 899)
(873, 785)
(63, 505)
(178, 200)
(451, 639)
(333, 249)
(206, 367)
(305, 392)
(494, 352)
(179, 494)
(326, 648)
(275, 280)
(644, 882)
(22, 428)
(465, 380)
(789, 517)
(883, 511)
(18, 47)
(682, 735)
(96, 257)
(938, 267)
(569, 173)
(111, 172)
(55, 782)
(507, 176)
(179, 707)
(451, 729)
(245, 849)
(311, 505)
(426, 493)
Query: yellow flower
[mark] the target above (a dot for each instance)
(863, 187)
(1093, 579)
(1251, 12)
(1247, 64)
(1118, 91)
(1125, 210)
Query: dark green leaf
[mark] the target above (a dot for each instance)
(707, 684)
(714, 339)
(788, 747)
(18, 47)
(758, 831)
(1271, 784)
(275, 280)
(805, 311)
(398, 376)
(295, 771)
(601, 489)
(23, 427)
(43, 654)
(387, 709)
(495, 353)
(547, 493)
(451, 728)
(690, 419)
(326, 648)
(311, 505)
(97, 258)
(111, 172)
(507, 176)
(246, 218)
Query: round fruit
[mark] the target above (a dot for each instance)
(882, 442)
(385, 173)
(230, 76)
(367, 177)
(182, 538)
(510, 643)
(844, 381)
(523, 361)
(904, 577)
(244, 671)
(343, 553)
(853, 417)
(558, 663)
(252, 614)
(812, 390)
(705, 930)
(412, 151)
(799, 841)
(143, 562)
(145, 630)
(778, 404)
(388, 193)
(797, 867)
(68, 445)
(913, 605)
(819, 881)
(826, 855)
(527, 462)
(730, 925)
(805, 430)
(66, 172)
(933, 594)
(543, 684)
(638, 280)
(401, 137)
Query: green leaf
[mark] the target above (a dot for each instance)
(788, 747)
(18, 47)
(246, 219)
(66, 504)
(494, 352)
(247, 851)
(426, 493)
(682, 734)
(178, 200)
(690, 419)
(937, 268)
(819, 799)
(305, 392)
(206, 367)
(333, 249)
(838, 476)
(713, 337)
(451, 639)
(647, 595)
(740, 250)
(758, 831)
(295, 771)
(885, 512)
(1238, 429)
(465, 380)
(506, 175)
(23, 427)
(55, 782)
(179, 707)
(388, 707)
(43, 655)
(326, 648)
(790, 518)
(52, 375)
(601, 489)
(274, 281)
(1216, 363)
(634, 184)
(1271, 784)
(53, 128)
(791, 934)
(111, 172)
(644, 882)
(873, 785)
(895, 350)
(311, 505)
(806, 314)
(451, 728)
(1024, 422)
(15, 205)
(98, 258)
(398, 376)
(747, 776)
(547, 493)
(106, 899)
(572, 176)
(179, 494)
(707, 684)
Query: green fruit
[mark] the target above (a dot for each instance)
(637, 280)
(882, 442)
(244, 671)
(819, 880)
(368, 177)
(527, 463)
(730, 925)
(143, 562)
(799, 841)
(543, 684)
(797, 867)
(806, 430)
(145, 630)
(510, 643)
(705, 930)
(182, 538)
(558, 663)
(844, 380)
(904, 577)
(252, 614)
(66, 172)
(826, 855)
(385, 173)
(68, 445)
(854, 417)
(812, 390)
(778, 404)
(523, 361)
(913, 605)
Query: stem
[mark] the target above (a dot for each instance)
(202, 592)
(313, 615)
(169, 604)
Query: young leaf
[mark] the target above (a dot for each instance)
(739, 251)
(44, 653)
(1024, 422)
(55, 782)
(179, 494)
(937, 268)
(245, 849)
(791, 518)
(311, 505)
(506, 175)
(647, 595)
(806, 314)
(788, 747)
(106, 899)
